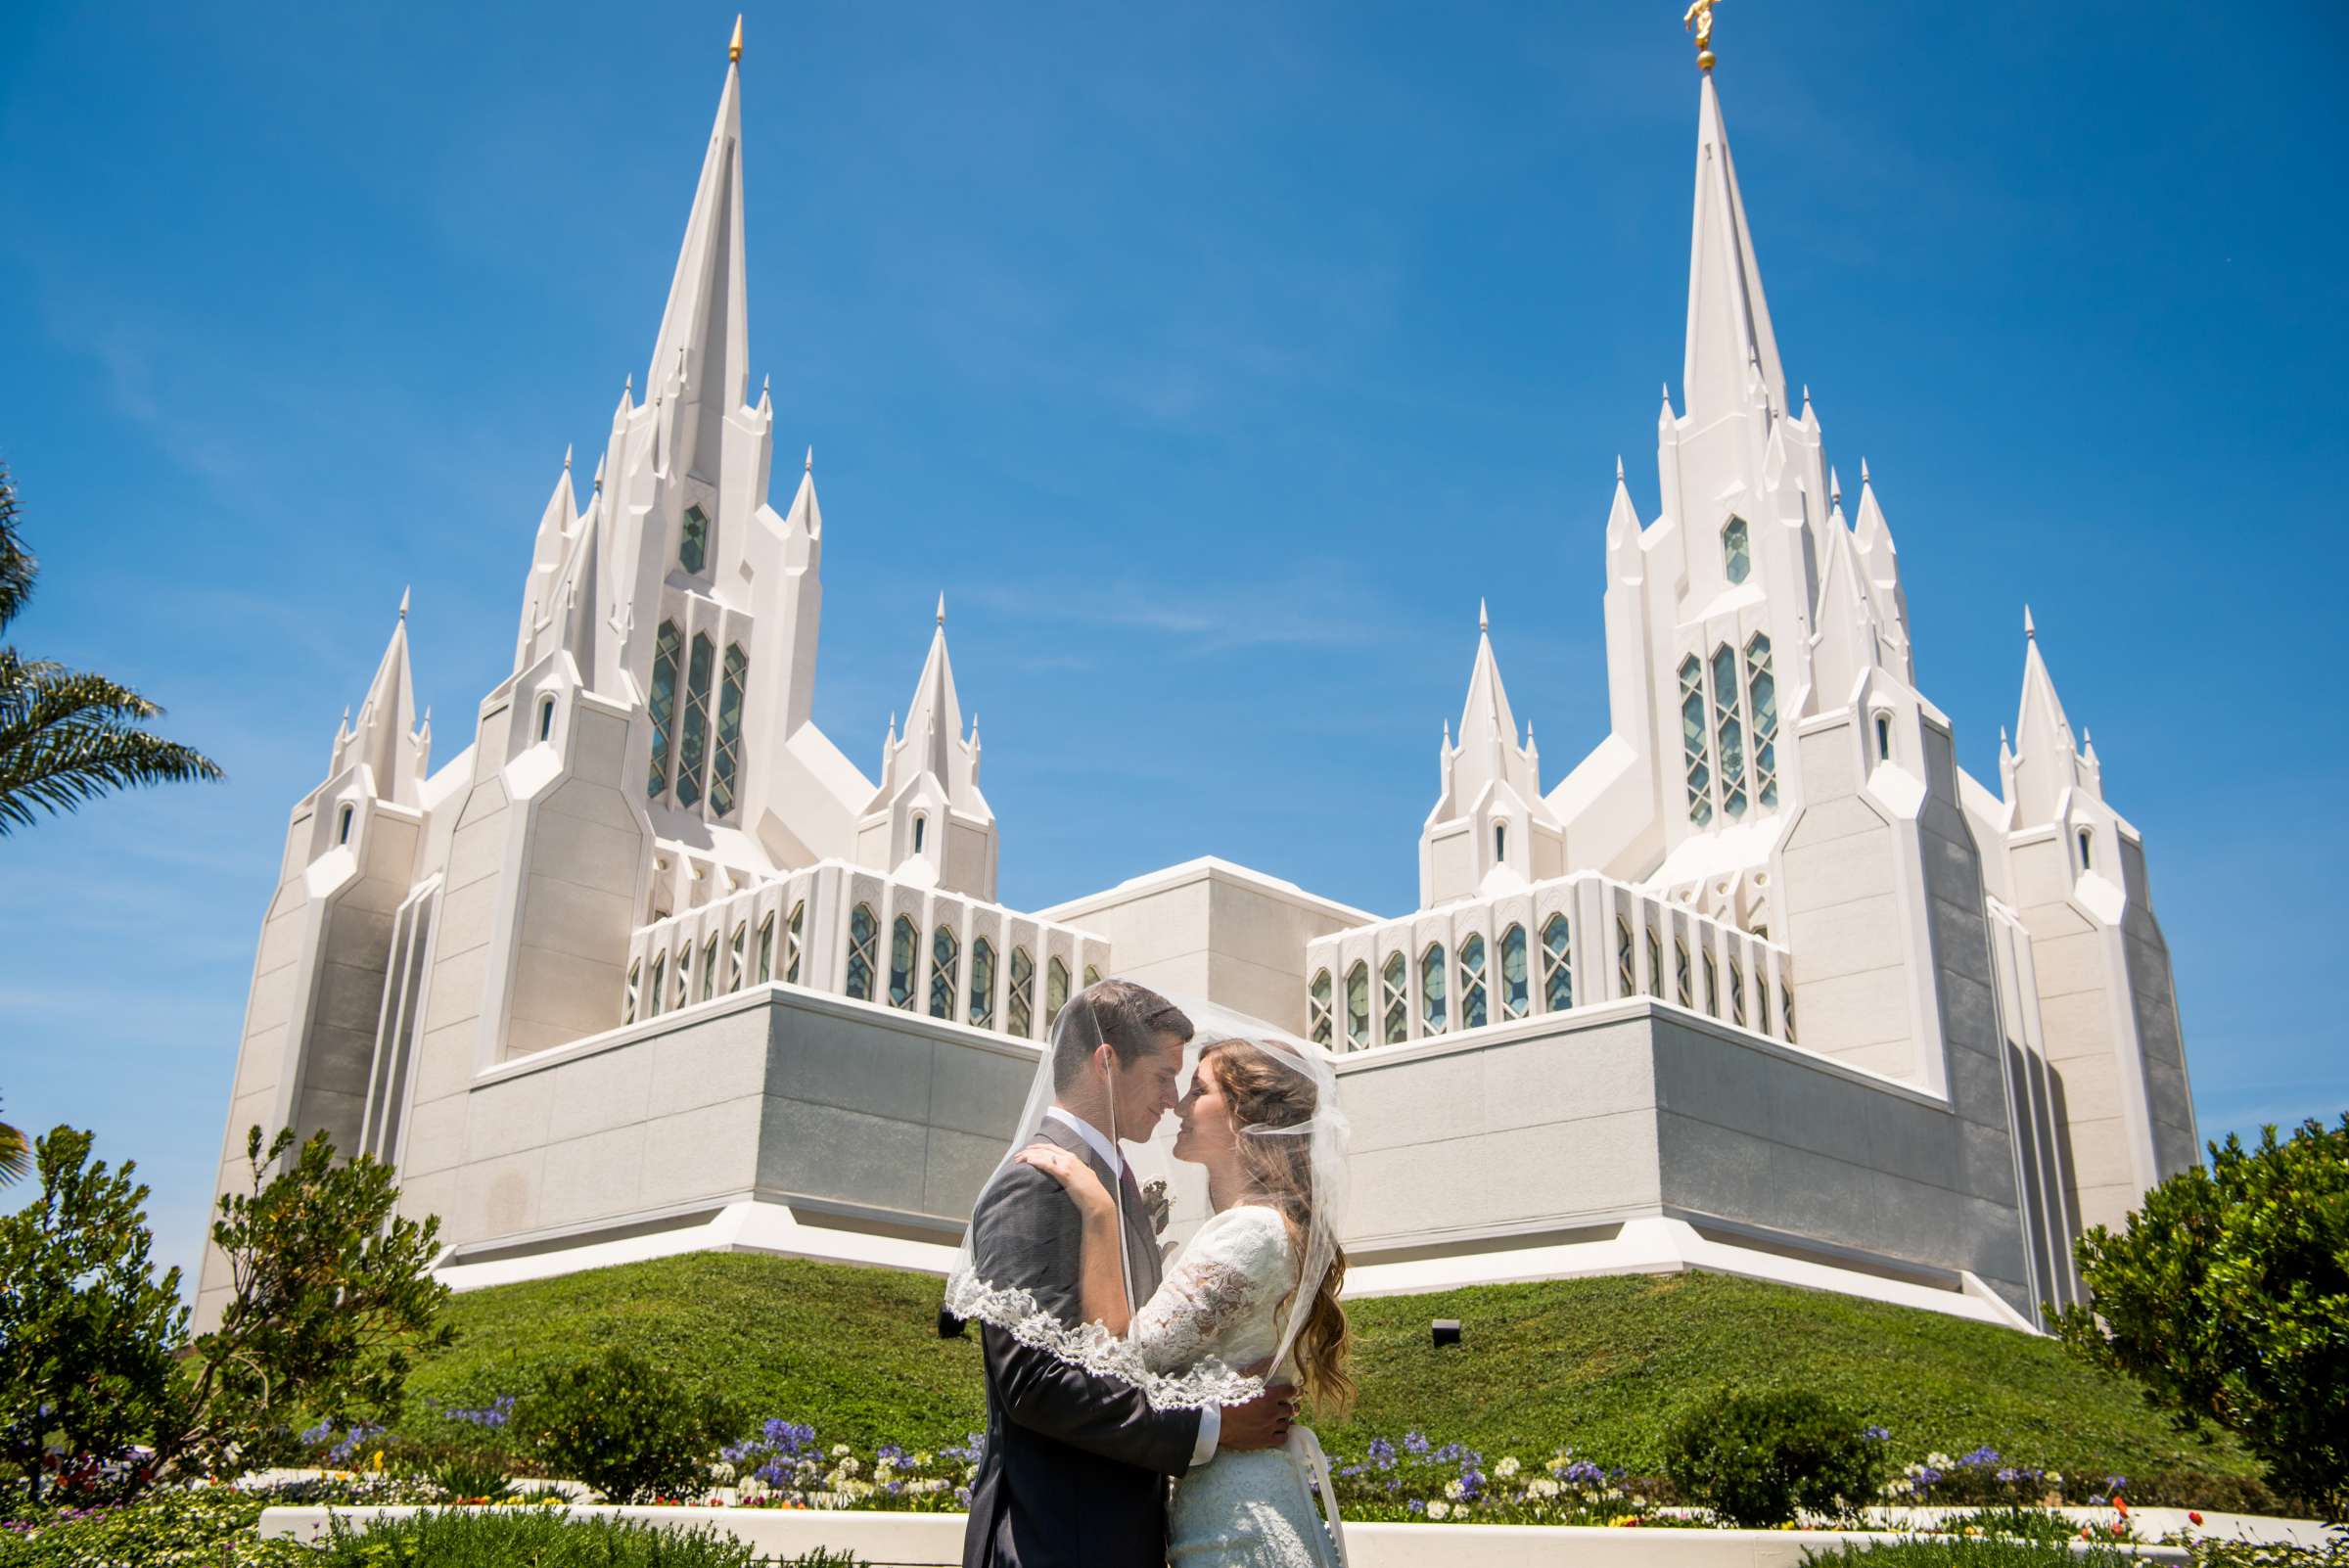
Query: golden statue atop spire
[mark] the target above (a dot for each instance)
(1698, 21)
(734, 48)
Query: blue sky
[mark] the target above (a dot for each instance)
(1214, 361)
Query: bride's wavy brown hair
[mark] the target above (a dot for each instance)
(1263, 1093)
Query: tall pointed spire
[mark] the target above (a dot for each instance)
(705, 328)
(383, 738)
(1729, 337)
(2046, 761)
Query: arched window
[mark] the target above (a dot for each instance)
(1762, 994)
(1056, 991)
(737, 950)
(1787, 1009)
(627, 1011)
(794, 933)
(546, 719)
(1019, 1011)
(1695, 746)
(1357, 1007)
(1516, 993)
(1682, 981)
(652, 991)
(709, 967)
(661, 706)
(1500, 842)
(1762, 708)
(1092, 977)
(725, 768)
(904, 952)
(1883, 737)
(2088, 853)
(1736, 551)
(1655, 965)
(982, 984)
(693, 541)
(1626, 980)
(945, 971)
(767, 948)
(1557, 965)
(1319, 998)
(343, 819)
(694, 746)
(684, 971)
(1736, 994)
(1728, 732)
(863, 932)
(920, 824)
(1395, 996)
(1712, 988)
(1431, 988)
(1472, 981)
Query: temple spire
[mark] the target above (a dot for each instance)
(1730, 341)
(385, 736)
(703, 339)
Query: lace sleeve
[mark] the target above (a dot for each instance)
(1236, 1264)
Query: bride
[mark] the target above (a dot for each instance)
(1234, 1296)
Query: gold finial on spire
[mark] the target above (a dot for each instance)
(734, 48)
(1699, 20)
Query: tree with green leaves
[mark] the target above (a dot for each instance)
(68, 736)
(87, 1330)
(2227, 1297)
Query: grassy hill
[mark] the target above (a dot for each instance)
(1600, 1365)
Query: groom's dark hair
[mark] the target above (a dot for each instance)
(1131, 1018)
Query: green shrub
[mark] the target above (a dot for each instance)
(2212, 1552)
(1946, 1551)
(171, 1528)
(529, 1539)
(2228, 1298)
(1756, 1459)
(469, 1477)
(627, 1428)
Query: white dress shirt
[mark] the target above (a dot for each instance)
(1211, 1418)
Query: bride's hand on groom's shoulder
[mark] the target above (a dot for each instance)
(1076, 1177)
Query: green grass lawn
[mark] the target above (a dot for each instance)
(1599, 1365)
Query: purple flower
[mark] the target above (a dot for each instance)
(1415, 1442)
(1382, 1453)
(1419, 1506)
(962, 1495)
(1982, 1458)
(1877, 1434)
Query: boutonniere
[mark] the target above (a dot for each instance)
(1156, 1204)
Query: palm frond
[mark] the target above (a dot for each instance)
(15, 1155)
(68, 737)
(17, 568)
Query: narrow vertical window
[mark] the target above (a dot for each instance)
(1761, 710)
(793, 931)
(1694, 747)
(546, 719)
(2088, 853)
(1472, 981)
(1557, 965)
(1712, 988)
(737, 950)
(1684, 984)
(663, 704)
(863, 930)
(1056, 991)
(1500, 842)
(1729, 730)
(694, 747)
(904, 952)
(1736, 994)
(920, 822)
(1786, 1008)
(1020, 1011)
(1626, 980)
(343, 825)
(709, 967)
(1655, 965)
(1395, 989)
(982, 984)
(684, 993)
(1431, 988)
(693, 541)
(1516, 993)
(652, 991)
(945, 971)
(725, 768)
(1736, 551)
(1762, 994)
(1092, 977)
(767, 948)
(627, 1011)
(1319, 998)
(1883, 737)
(1357, 1005)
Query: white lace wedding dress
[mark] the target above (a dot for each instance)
(1223, 1298)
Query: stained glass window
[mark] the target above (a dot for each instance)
(684, 976)
(1728, 732)
(1762, 708)
(1557, 965)
(663, 704)
(709, 967)
(629, 1002)
(726, 768)
(1737, 992)
(904, 952)
(982, 984)
(1762, 994)
(945, 971)
(736, 950)
(1626, 981)
(766, 949)
(652, 992)
(693, 541)
(1395, 988)
(1019, 1013)
(1056, 993)
(1655, 965)
(1787, 1009)
(1472, 981)
(694, 746)
(793, 930)
(1736, 551)
(1431, 988)
(1092, 977)
(1684, 984)
(1319, 998)
(1694, 746)
(863, 932)
(1516, 994)
(1711, 986)
(1357, 1005)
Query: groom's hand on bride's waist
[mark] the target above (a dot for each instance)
(1262, 1423)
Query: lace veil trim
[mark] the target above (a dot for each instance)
(1092, 1347)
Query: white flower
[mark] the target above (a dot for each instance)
(850, 1467)
(1506, 1468)
(840, 1450)
(1439, 1511)
(1455, 1488)
(1543, 1487)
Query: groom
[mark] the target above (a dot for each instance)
(1073, 1473)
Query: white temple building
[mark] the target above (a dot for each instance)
(1763, 983)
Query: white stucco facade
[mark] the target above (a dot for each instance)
(1763, 983)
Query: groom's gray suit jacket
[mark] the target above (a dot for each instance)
(1076, 1466)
